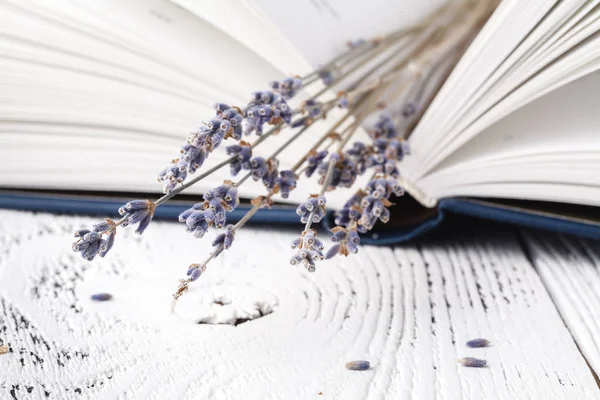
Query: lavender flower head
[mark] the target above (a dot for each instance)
(265, 170)
(313, 208)
(224, 240)
(310, 250)
(195, 270)
(344, 171)
(286, 182)
(91, 243)
(345, 242)
(243, 153)
(266, 107)
(313, 160)
(211, 212)
(288, 87)
(227, 123)
(327, 76)
(138, 211)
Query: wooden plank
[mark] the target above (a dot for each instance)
(408, 311)
(570, 269)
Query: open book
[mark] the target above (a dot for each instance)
(97, 96)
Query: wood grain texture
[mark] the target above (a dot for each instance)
(570, 269)
(254, 327)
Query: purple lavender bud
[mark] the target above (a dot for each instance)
(224, 126)
(409, 110)
(333, 251)
(92, 237)
(385, 216)
(301, 209)
(231, 198)
(353, 237)
(313, 162)
(228, 240)
(102, 226)
(339, 236)
(101, 297)
(213, 125)
(194, 218)
(218, 240)
(327, 76)
(358, 148)
(296, 259)
(137, 216)
(197, 161)
(194, 273)
(216, 139)
(183, 216)
(343, 102)
(480, 342)
(144, 224)
(108, 243)
(189, 152)
(136, 205)
(259, 167)
(92, 250)
(220, 191)
(80, 246)
(356, 43)
(269, 179)
(296, 243)
(309, 264)
(81, 233)
(200, 229)
(472, 362)
(286, 182)
(221, 106)
(265, 111)
(359, 365)
(405, 147)
(352, 248)
(318, 215)
(304, 121)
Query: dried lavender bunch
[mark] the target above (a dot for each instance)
(391, 78)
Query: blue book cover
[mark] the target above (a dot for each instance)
(409, 219)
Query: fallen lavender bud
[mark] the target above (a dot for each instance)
(479, 342)
(359, 365)
(101, 297)
(472, 362)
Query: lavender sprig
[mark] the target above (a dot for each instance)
(402, 55)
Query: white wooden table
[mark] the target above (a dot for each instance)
(254, 327)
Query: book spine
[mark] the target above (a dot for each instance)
(417, 194)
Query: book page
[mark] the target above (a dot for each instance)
(319, 29)
(548, 150)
